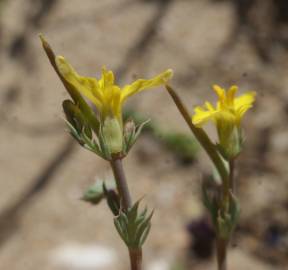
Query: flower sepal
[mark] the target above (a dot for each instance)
(110, 142)
(76, 118)
(230, 144)
(82, 132)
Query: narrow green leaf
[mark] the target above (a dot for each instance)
(119, 230)
(144, 235)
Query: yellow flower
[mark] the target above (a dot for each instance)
(228, 107)
(104, 93)
(226, 115)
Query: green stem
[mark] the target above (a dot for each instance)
(122, 186)
(222, 244)
(228, 187)
(201, 136)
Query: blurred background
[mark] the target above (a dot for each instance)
(44, 224)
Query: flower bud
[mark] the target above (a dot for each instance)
(129, 127)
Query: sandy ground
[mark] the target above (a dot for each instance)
(134, 38)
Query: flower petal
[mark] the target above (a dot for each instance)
(231, 95)
(219, 91)
(209, 106)
(142, 84)
(244, 103)
(107, 78)
(116, 103)
(85, 85)
(201, 116)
